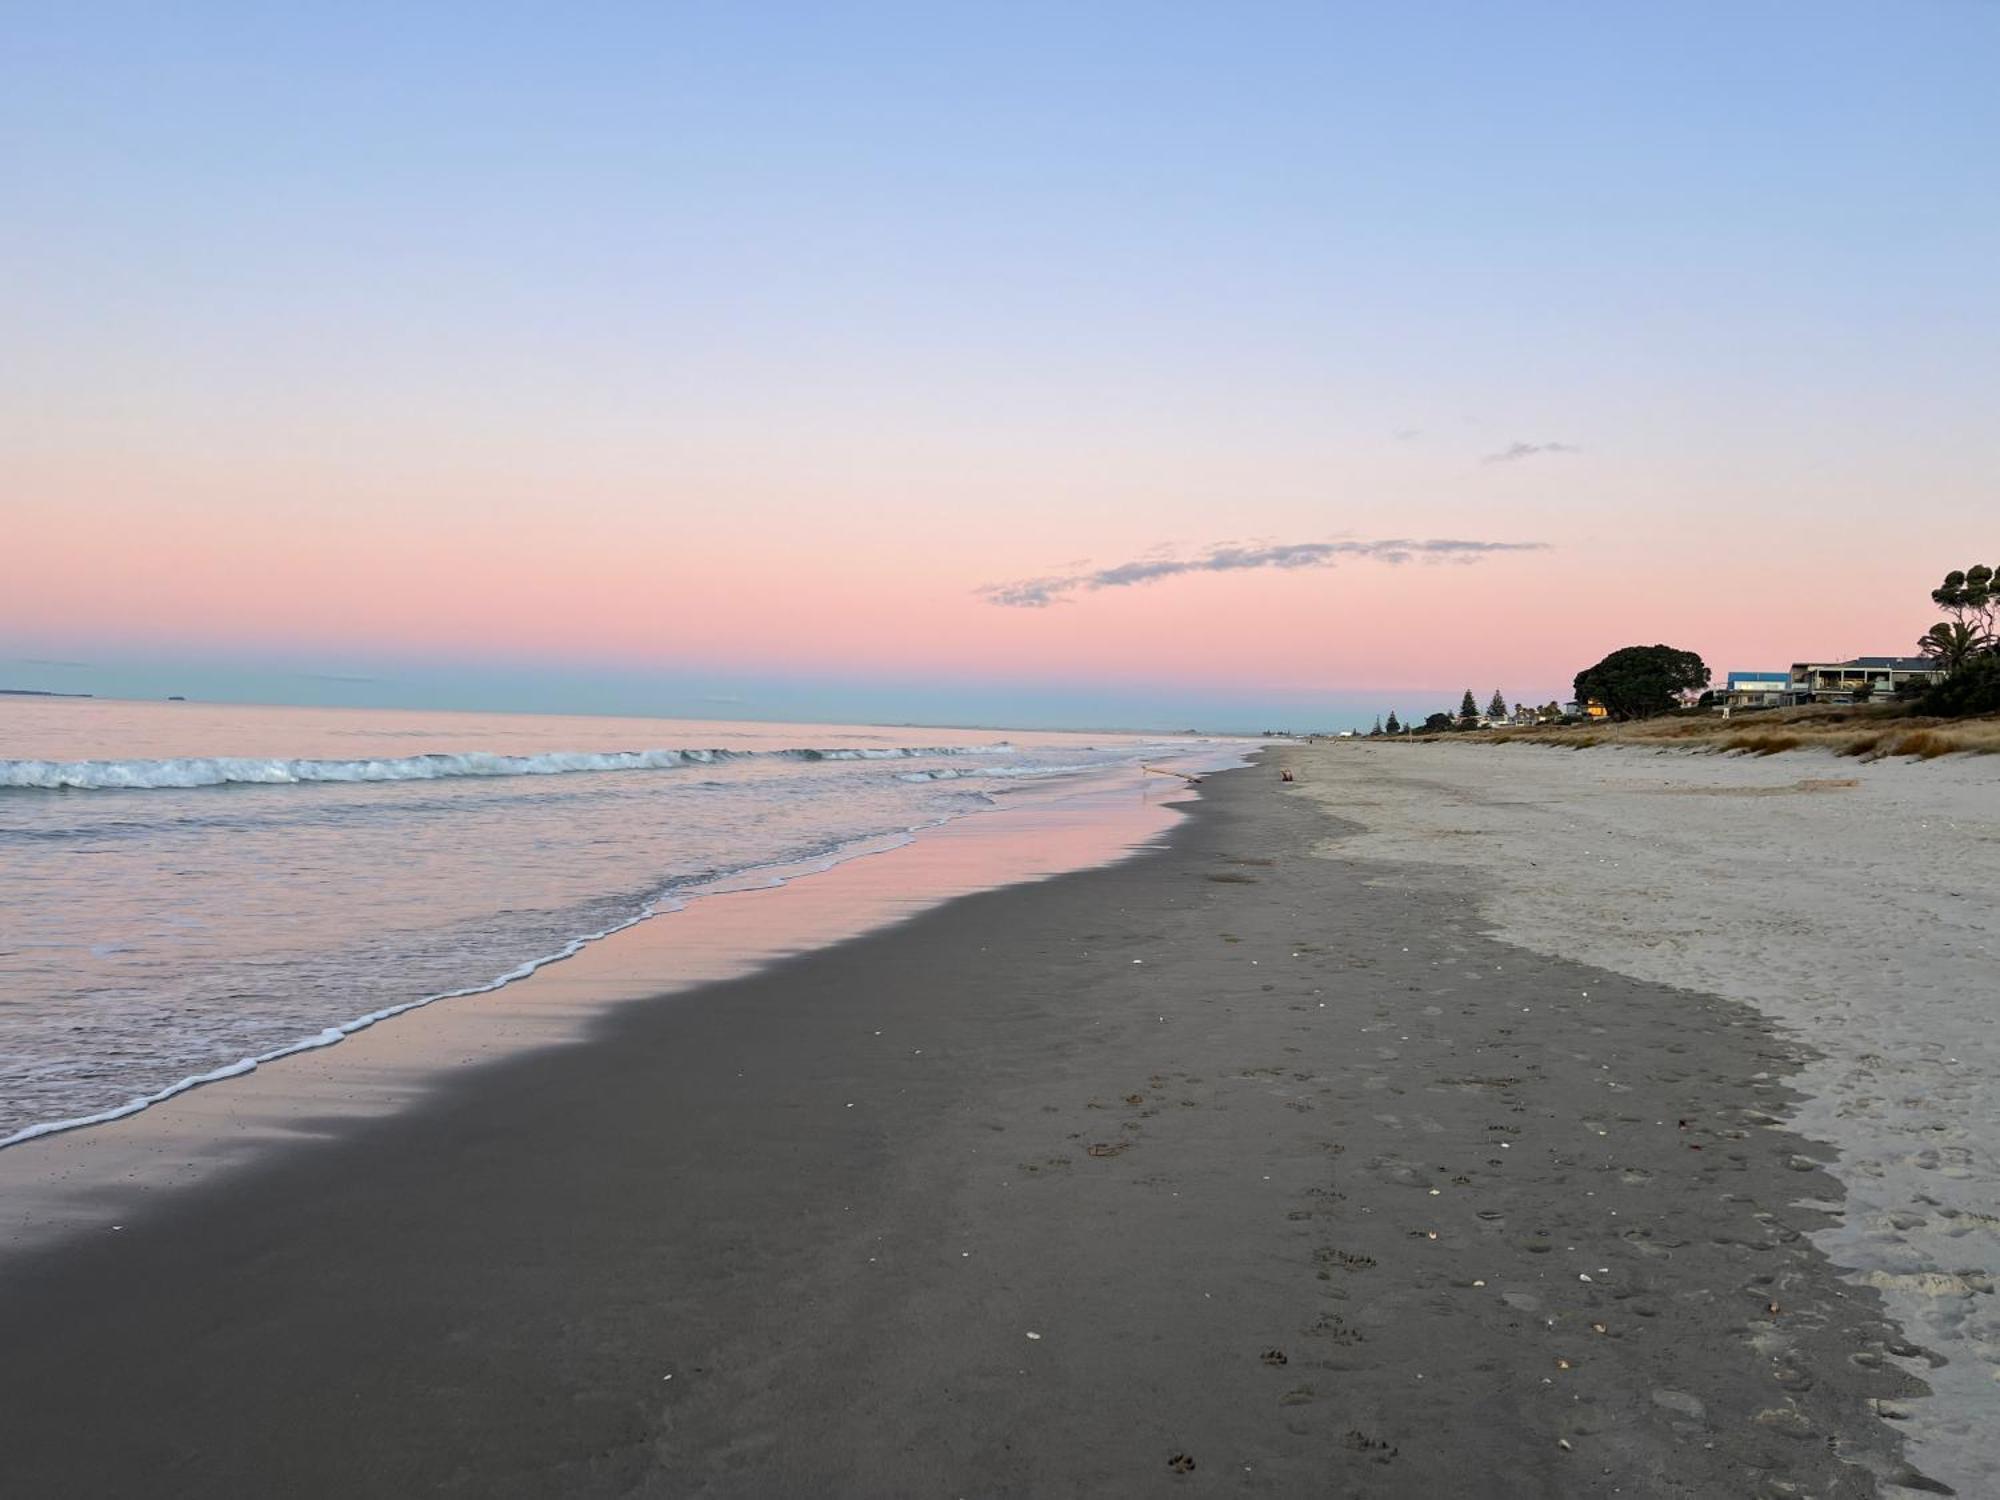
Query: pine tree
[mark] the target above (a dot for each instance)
(1393, 725)
(1468, 710)
(1497, 709)
(1378, 726)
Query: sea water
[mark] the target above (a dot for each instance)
(187, 889)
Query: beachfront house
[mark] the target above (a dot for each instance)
(1858, 679)
(1753, 690)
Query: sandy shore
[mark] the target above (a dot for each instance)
(1233, 1168)
(1853, 902)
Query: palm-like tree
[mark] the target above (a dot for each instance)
(1953, 643)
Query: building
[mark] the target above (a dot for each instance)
(1754, 690)
(1857, 680)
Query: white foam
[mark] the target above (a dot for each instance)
(230, 770)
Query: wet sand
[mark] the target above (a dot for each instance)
(1232, 1168)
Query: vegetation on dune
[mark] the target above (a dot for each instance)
(1869, 731)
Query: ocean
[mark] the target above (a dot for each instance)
(187, 890)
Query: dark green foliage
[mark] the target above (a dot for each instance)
(1636, 682)
(1468, 711)
(1967, 646)
(1437, 723)
(1973, 598)
(1952, 644)
(1973, 689)
(1497, 709)
(1392, 725)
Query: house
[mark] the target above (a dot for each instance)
(1858, 679)
(1754, 690)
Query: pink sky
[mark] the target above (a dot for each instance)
(831, 557)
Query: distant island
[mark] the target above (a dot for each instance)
(38, 693)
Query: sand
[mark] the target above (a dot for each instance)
(1234, 1168)
(1853, 902)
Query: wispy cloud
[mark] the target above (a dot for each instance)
(1224, 557)
(1513, 453)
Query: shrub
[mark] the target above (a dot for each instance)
(1973, 689)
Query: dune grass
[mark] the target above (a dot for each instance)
(1866, 731)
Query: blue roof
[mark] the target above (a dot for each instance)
(1735, 678)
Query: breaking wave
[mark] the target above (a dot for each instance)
(199, 771)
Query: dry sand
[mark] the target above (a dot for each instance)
(1855, 903)
(1232, 1169)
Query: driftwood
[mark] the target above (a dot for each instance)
(1163, 771)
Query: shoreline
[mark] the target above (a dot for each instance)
(1228, 1153)
(65, 1177)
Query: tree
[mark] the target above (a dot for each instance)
(1973, 599)
(1437, 723)
(1392, 725)
(1952, 644)
(1967, 646)
(1468, 711)
(1497, 709)
(1636, 682)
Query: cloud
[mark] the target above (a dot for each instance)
(1513, 453)
(1224, 557)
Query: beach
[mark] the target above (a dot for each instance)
(1263, 1161)
(1849, 900)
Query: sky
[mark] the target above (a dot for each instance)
(1174, 365)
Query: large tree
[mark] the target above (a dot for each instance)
(1437, 723)
(1468, 710)
(1636, 682)
(1973, 600)
(1392, 725)
(1497, 709)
